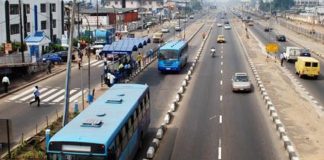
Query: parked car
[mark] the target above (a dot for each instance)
(281, 38)
(64, 55)
(52, 57)
(241, 82)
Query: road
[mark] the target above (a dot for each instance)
(25, 118)
(315, 87)
(212, 121)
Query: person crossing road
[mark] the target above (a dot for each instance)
(36, 95)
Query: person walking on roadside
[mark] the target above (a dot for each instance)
(139, 60)
(49, 67)
(5, 83)
(36, 95)
(281, 56)
(110, 79)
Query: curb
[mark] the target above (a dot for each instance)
(173, 106)
(271, 108)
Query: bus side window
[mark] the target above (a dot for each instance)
(118, 144)
(139, 112)
(143, 106)
(124, 137)
(130, 127)
(111, 152)
(135, 119)
(147, 101)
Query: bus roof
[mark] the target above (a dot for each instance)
(308, 59)
(174, 45)
(115, 116)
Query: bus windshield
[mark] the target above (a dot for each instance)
(168, 55)
(74, 157)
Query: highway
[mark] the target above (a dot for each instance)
(212, 121)
(315, 87)
(26, 118)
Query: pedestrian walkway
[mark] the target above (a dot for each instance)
(49, 95)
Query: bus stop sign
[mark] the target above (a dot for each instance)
(272, 48)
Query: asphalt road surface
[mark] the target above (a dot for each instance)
(315, 87)
(212, 121)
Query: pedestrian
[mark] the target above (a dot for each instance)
(49, 67)
(139, 60)
(110, 79)
(281, 56)
(98, 57)
(79, 63)
(148, 30)
(36, 95)
(5, 83)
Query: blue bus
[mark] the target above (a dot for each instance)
(173, 56)
(111, 128)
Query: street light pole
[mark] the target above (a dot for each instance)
(68, 73)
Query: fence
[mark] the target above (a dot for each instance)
(14, 59)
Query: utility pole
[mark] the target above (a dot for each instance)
(97, 15)
(78, 20)
(68, 73)
(21, 34)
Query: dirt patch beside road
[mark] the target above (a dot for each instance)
(303, 124)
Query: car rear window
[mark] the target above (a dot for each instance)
(308, 64)
(314, 64)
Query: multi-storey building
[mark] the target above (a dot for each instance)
(41, 15)
(307, 3)
(150, 5)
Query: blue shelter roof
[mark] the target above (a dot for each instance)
(36, 37)
(125, 46)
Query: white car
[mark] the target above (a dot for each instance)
(227, 26)
(241, 82)
(177, 28)
(164, 30)
(219, 24)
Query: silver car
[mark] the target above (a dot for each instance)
(241, 82)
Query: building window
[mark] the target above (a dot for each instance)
(53, 7)
(43, 25)
(14, 29)
(27, 8)
(54, 23)
(14, 9)
(116, 2)
(132, 2)
(150, 2)
(28, 26)
(43, 7)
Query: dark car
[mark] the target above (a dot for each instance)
(267, 29)
(64, 55)
(305, 53)
(52, 57)
(281, 38)
(226, 22)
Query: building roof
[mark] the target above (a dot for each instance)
(37, 38)
(107, 10)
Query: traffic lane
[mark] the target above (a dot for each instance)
(194, 131)
(246, 131)
(162, 89)
(313, 86)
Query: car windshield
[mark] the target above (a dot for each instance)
(241, 78)
(168, 55)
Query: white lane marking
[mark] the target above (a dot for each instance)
(32, 94)
(63, 96)
(221, 82)
(222, 51)
(21, 94)
(221, 71)
(222, 57)
(47, 93)
(76, 96)
(96, 63)
(53, 96)
(221, 98)
(220, 119)
(221, 63)
(219, 149)
(212, 117)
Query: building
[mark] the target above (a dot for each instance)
(307, 3)
(41, 15)
(149, 5)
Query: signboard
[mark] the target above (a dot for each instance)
(272, 48)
